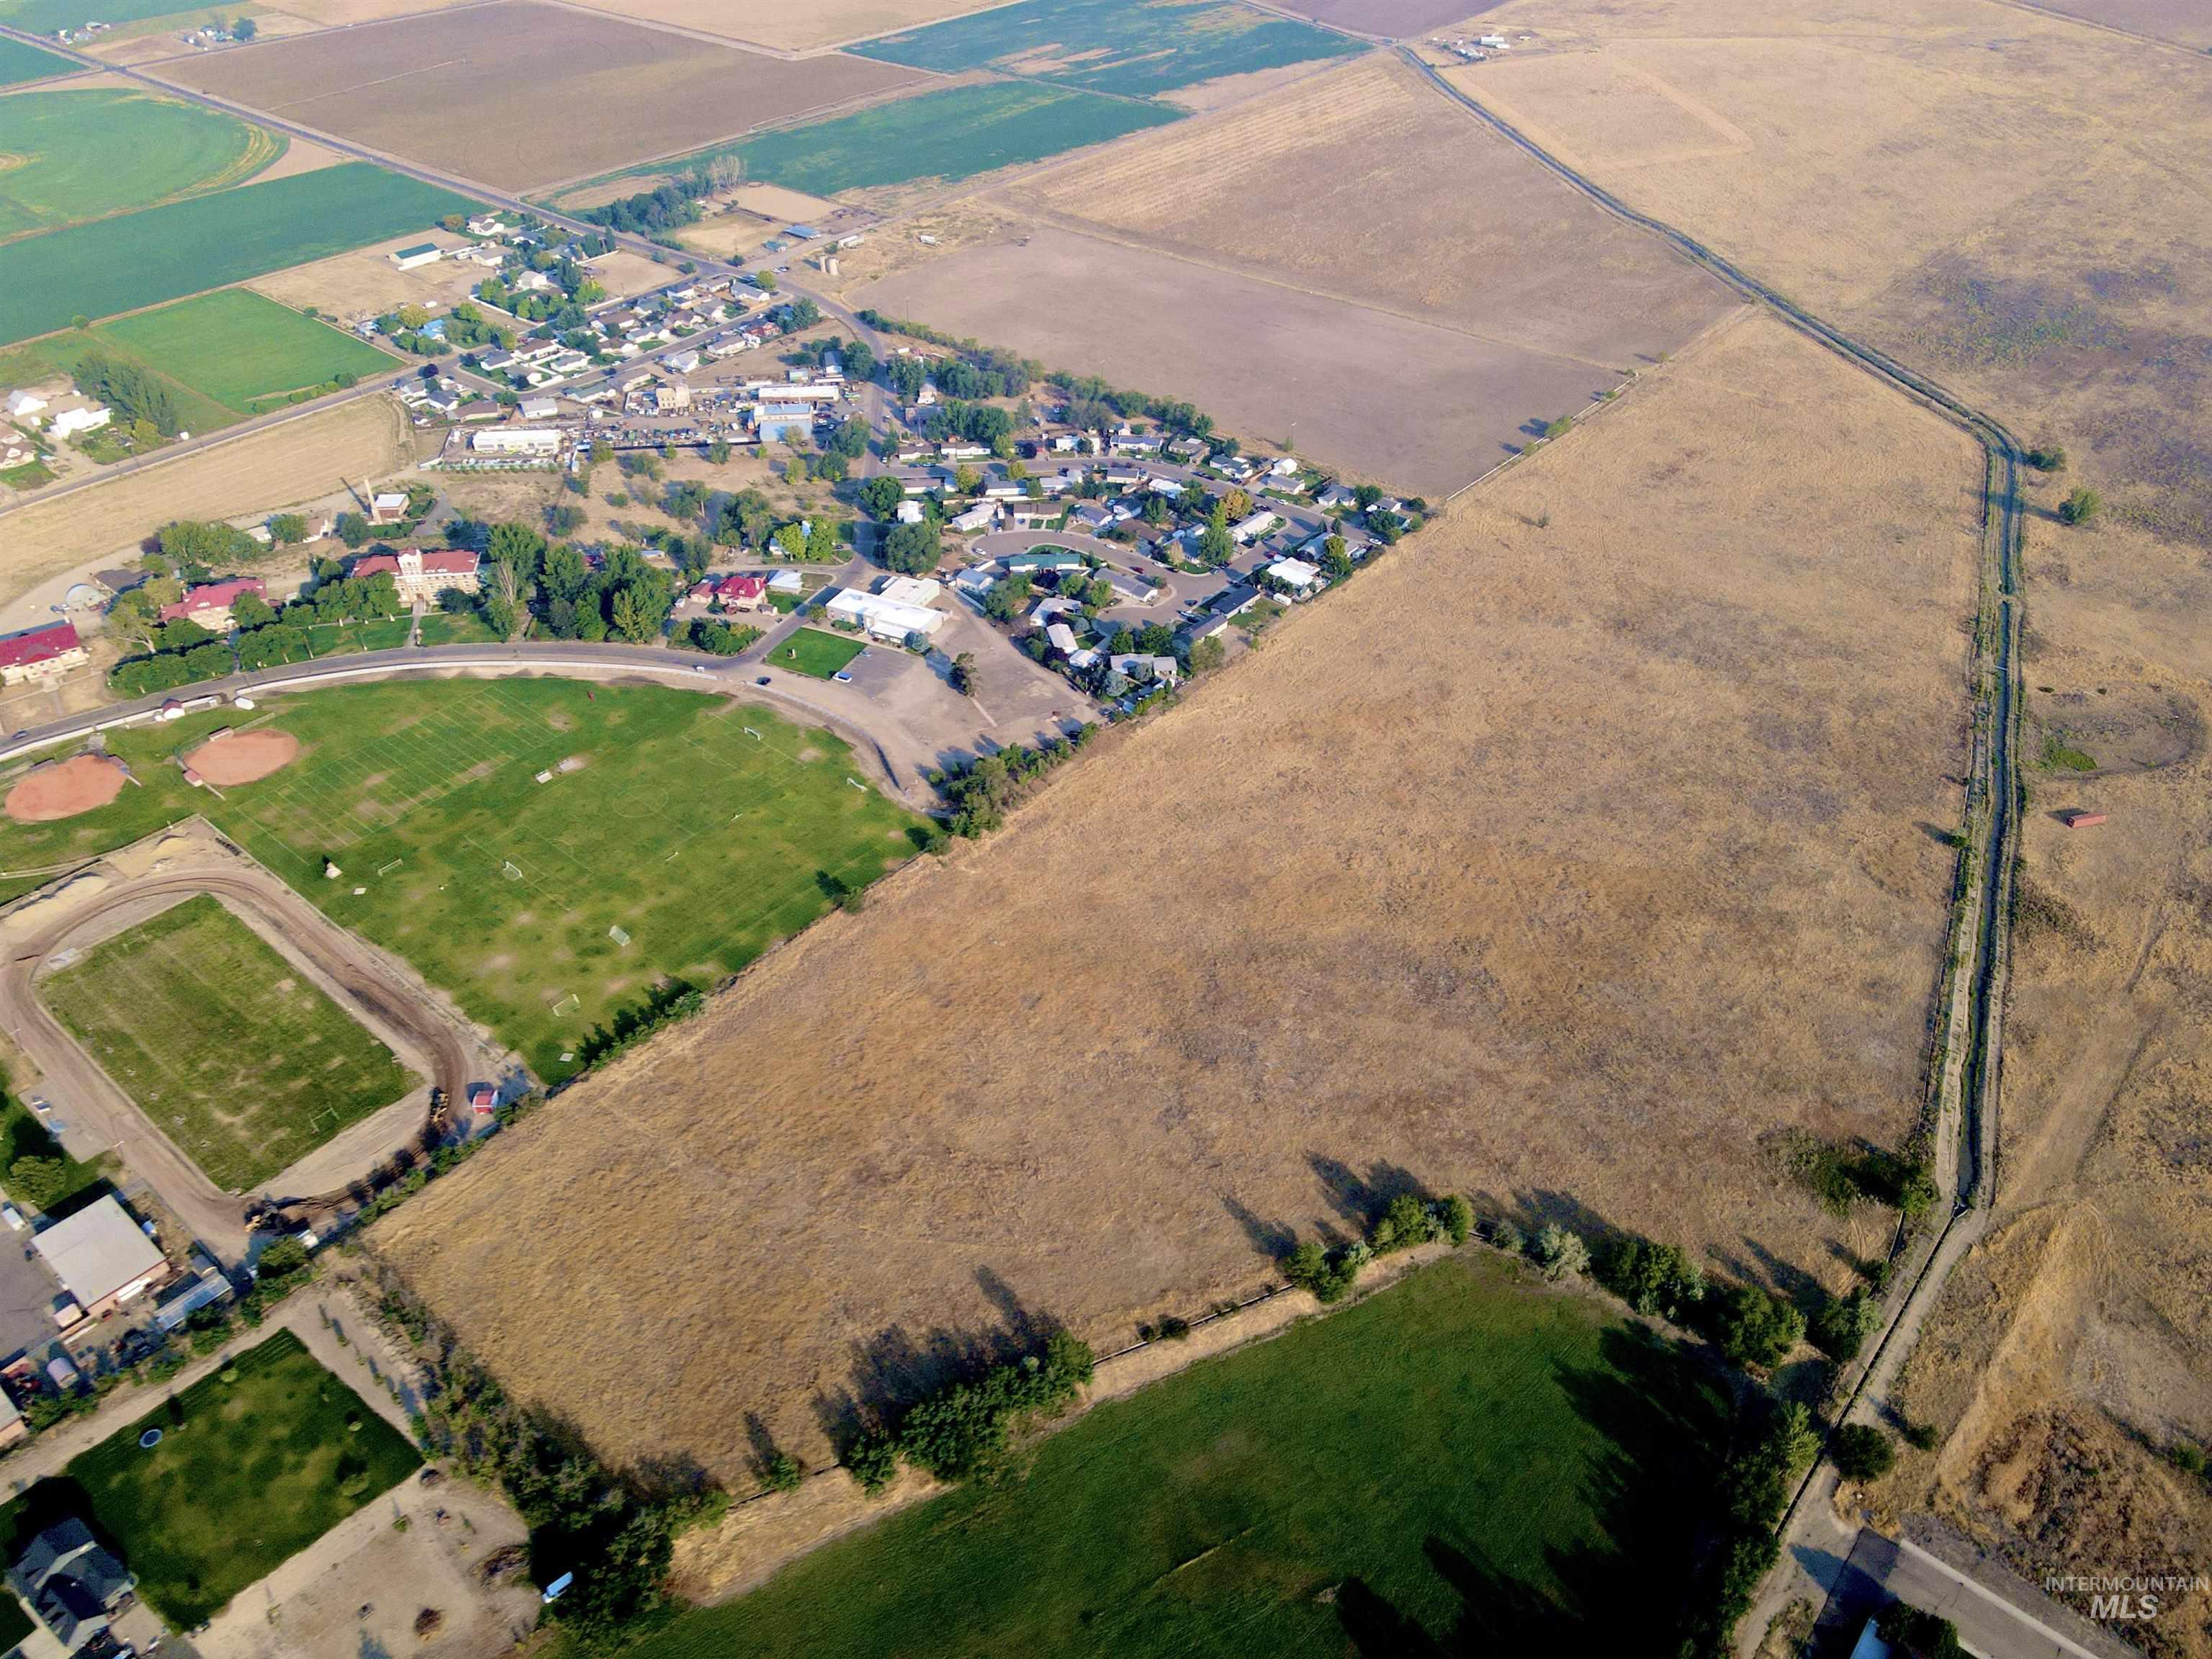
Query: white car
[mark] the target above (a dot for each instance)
(13, 1217)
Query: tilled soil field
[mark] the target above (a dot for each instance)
(1564, 859)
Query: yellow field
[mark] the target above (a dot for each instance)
(790, 25)
(262, 471)
(1559, 866)
(366, 284)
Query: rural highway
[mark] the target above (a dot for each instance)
(96, 1106)
(1972, 1017)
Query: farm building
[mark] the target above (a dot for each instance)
(25, 406)
(209, 604)
(102, 1259)
(422, 575)
(421, 253)
(39, 654)
(516, 440)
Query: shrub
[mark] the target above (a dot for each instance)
(1921, 1436)
(872, 1460)
(963, 1431)
(782, 1472)
(1458, 1218)
(1329, 1274)
(2047, 457)
(1843, 1325)
(39, 1181)
(1560, 1254)
(1919, 1634)
(1508, 1236)
(1754, 1327)
(1862, 1452)
(2081, 505)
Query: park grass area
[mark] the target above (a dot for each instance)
(239, 1059)
(811, 651)
(946, 136)
(223, 357)
(702, 829)
(20, 62)
(456, 628)
(83, 153)
(1110, 46)
(160, 253)
(1471, 1465)
(255, 1462)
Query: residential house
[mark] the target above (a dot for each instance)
(420, 574)
(1044, 561)
(1061, 638)
(74, 415)
(910, 512)
(975, 519)
(25, 406)
(1139, 665)
(102, 1259)
(39, 654)
(75, 1586)
(1245, 532)
(1336, 498)
(1091, 518)
(1286, 466)
(210, 603)
(1302, 578)
(741, 593)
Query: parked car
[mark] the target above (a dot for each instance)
(13, 1217)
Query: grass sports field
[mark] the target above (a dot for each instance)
(242, 1061)
(811, 651)
(1510, 1471)
(255, 1462)
(164, 252)
(224, 356)
(1108, 45)
(948, 135)
(703, 830)
(20, 63)
(81, 153)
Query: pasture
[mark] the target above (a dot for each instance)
(1478, 237)
(469, 91)
(260, 472)
(940, 135)
(1565, 891)
(85, 153)
(45, 16)
(255, 1461)
(229, 1050)
(1437, 409)
(20, 62)
(165, 252)
(700, 830)
(1107, 46)
(1510, 1470)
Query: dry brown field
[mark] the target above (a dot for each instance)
(521, 94)
(791, 25)
(366, 284)
(1565, 866)
(1896, 174)
(1395, 20)
(2184, 21)
(1314, 190)
(344, 14)
(264, 470)
(1404, 403)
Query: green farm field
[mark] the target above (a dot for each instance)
(255, 1461)
(1111, 46)
(245, 1064)
(701, 841)
(811, 651)
(20, 63)
(224, 356)
(1471, 1464)
(950, 134)
(139, 259)
(83, 153)
(45, 16)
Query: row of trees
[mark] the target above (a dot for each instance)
(650, 212)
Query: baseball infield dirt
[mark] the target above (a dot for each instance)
(1595, 837)
(64, 789)
(243, 757)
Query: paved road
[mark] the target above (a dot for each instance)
(1998, 1615)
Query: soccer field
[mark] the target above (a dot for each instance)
(685, 834)
(1461, 1464)
(80, 153)
(223, 1043)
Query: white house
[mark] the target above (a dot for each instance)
(1062, 638)
(25, 406)
(1286, 467)
(85, 417)
(1245, 532)
(102, 1259)
(975, 519)
(911, 512)
(1296, 574)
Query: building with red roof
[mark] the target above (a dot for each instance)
(422, 574)
(741, 590)
(209, 604)
(39, 653)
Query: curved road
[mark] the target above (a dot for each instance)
(1814, 1543)
(96, 1103)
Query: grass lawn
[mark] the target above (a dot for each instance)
(1511, 1471)
(811, 651)
(29, 475)
(243, 1062)
(81, 153)
(1110, 46)
(703, 841)
(256, 1462)
(341, 638)
(21, 1135)
(20, 63)
(142, 258)
(456, 628)
(949, 135)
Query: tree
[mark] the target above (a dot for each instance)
(251, 610)
(1334, 558)
(1842, 1326)
(782, 1472)
(286, 529)
(244, 29)
(1217, 546)
(2080, 506)
(718, 453)
(564, 519)
(353, 529)
(1862, 1452)
(1559, 1253)
(412, 317)
(503, 600)
(192, 543)
(2047, 457)
(966, 480)
(1755, 1327)
(38, 1182)
(1458, 1218)
(1206, 655)
(962, 677)
(872, 1460)
(630, 621)
(881, 495)
(911, 549)
(1655, 1279)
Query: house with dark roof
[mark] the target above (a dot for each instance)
(71, 1584)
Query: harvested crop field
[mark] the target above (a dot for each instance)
(64, 790)
(1407, 405)
(787, 25)
(366, 284)
(259, 472)
(474, 92)
(2183, 22)
(1396, 20)
(1563, 867)
(1478, 236)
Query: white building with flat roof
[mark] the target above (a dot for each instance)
(884, 617)
(103, 1259)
